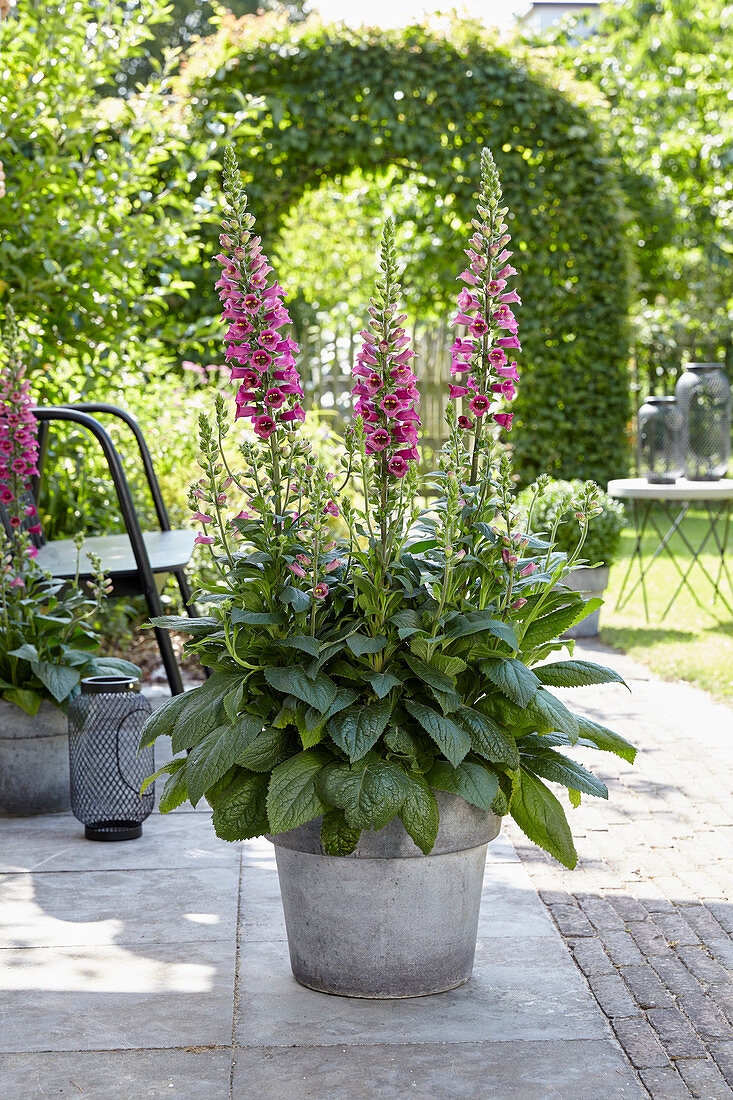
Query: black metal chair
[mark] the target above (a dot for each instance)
(135, 559)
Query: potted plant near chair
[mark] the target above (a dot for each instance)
(48, 632)
(380, 692)
(553, 514)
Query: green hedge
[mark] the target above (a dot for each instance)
(336, 100)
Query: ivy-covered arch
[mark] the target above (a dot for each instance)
(425, 104)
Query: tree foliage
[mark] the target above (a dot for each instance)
(420, 105)
(663, 68)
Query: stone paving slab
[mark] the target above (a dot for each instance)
(575, 1070)
(118, 1075)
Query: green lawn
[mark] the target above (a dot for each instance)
(689, 642)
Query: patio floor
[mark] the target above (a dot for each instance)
(159, 968)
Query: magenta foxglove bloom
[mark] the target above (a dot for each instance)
(258, 348)
(485, 314)
(18, 448)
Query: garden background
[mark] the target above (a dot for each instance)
(615, 150)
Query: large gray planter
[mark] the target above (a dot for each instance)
(34, 760)
(591, 582)
(386, 921)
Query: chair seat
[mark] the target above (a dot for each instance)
(167, 551)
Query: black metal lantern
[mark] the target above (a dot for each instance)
(703, 395)
(105, 723)
(660, 440)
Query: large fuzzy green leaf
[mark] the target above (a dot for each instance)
(513, 678)
(57, 679)
(240, 812)
(577, 674)
(605, 739)
(419, 813)
(203, 711)
(548, 627)
(561, 769)
(359, 644)
(541, 817)
(337, 836)
(450, 738)
(474, 782)
(319, 692)
(430, 675)
(163, 719)
(175, 791)
(488, 738)
(292, 797)
(382, 683)
(216, 753)
(357, 729)
(267, 750)
(370, 792)
(548, 714)
(476, 622)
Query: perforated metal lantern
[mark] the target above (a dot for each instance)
(704, 399)
(105, 723)
(661, 459)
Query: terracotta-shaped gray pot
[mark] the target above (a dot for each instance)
(386, 921)
(34, 760)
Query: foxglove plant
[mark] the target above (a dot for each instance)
(49, 632)
(353, 677)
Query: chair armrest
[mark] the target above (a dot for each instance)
(94, 407)
(46, 414)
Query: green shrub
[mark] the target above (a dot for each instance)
(604, 534)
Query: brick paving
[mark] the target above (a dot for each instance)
(648, 912)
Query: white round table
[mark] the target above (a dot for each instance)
(674, 501)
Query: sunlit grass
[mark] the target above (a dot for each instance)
(689, 642)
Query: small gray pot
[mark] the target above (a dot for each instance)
(386, 921)
(591, 581)
(34, 760)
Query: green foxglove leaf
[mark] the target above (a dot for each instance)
(451, 738)
(25, 652)
(451, 666)
(419, 813)
(233, 702)
(358, 728)
(292, 798)
(430, 675)
(103, 666)
(359, 644)
(29, 701)
(370, 792)
(241, 812)
(337, 836)
(257, 618)
(217, 752)
(302, 642)
(577, 674)
(203, 711)
(199, 627)
(574, 797)
(175, 791)
(474, 782)
(168, 769)
(561, 769)
(163, 719)
(318, 692)
(488, 738)
(382, 683)
(549, 627)
(400, 741)
(477, 622)
(59, 681)
(298, 600)
(407, 621)
(605, 739)
(512, 678)
(549, 714)
(269, 748)
(541, 817)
